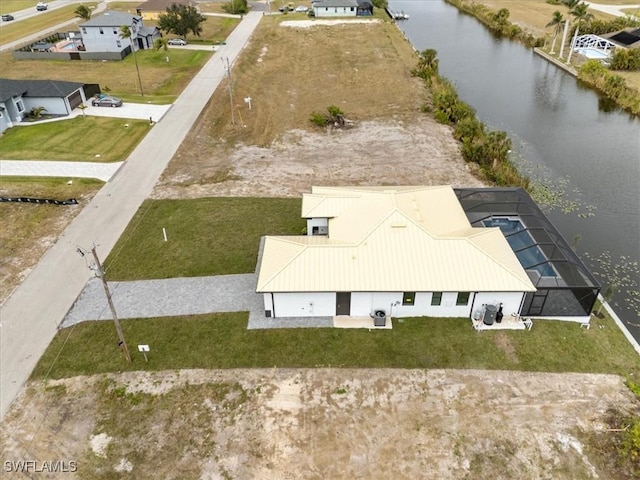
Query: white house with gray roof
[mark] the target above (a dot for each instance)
(335, 8)
(102, 33)
(18, 97)
(408, 251)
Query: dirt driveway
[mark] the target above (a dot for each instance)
(316, 424)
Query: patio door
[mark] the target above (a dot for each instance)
(343, 303)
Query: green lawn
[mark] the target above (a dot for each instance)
(11, 6)
(222, 341)
(206, 236)
(79, 139)
(15, 30)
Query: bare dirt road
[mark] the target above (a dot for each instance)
(316, 424)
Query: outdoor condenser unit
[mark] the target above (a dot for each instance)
(380, 318)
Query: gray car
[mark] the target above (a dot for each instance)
(106, 101)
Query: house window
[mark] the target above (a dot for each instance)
(115, 31)
(408, 298)
(84, 31)
(20, 106)
(463, 298)
(101, 31)
(118, 44)
(436, 299)
(351, 9)
(335, 10)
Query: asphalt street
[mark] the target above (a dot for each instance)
(30, 317)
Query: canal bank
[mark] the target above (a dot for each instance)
(566, 137)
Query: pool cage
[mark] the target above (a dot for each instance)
(565, 287)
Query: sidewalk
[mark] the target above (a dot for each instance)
(45, 168)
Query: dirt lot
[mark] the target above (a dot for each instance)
(274, 150)
(317, 424)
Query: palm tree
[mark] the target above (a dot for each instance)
(125, 33)
(556, 22)
(163, 43)
(582, 17)
(83, 12)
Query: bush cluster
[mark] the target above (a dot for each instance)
(612, 85)
(486, 148)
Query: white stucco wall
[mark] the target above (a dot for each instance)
(365, 303)
(316, 222)
(511, 301)
(311, 304)
(54, 106)
(334, 11)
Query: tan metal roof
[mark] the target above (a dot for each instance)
(390, 239)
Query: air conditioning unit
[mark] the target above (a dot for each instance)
(380, 318)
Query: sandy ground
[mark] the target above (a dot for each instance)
(371, 153)
(317, 424)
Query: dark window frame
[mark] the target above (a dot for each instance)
(462, 295)
(409, 298)
(434, 296)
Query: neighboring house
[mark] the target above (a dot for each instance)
(335, 8)
(102, 33)
(18, 97)
(152, 9)
(409, 251)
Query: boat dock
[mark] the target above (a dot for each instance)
(396, 15)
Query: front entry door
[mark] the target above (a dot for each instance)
(343, 303)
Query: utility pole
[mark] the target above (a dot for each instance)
(227, 70)
(100, 273)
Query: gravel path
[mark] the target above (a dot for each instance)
(181, 296)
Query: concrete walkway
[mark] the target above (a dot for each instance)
(44, 168)
(30, 317)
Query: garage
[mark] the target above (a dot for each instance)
(75, 99)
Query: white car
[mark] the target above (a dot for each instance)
(177, 41)
(41, 7)
(302, 8)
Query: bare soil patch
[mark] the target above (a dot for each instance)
(290, 71)
(320, 423)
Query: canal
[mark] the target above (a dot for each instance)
(562, 131)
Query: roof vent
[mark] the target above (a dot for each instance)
(398, 225)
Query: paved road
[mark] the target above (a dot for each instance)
(32, 12)
(30, 317)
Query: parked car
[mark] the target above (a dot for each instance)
(106, 101)
(7, 17)
(41, 7)
(177, 41)
(286, 8)
(302, 8)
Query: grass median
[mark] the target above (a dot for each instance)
(222, 341)
(87, 139)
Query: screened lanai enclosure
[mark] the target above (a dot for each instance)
(565, 287)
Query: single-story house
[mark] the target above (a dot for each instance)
(406, 251)
(102, 33)
(18, 97)
(335, 8)
(152, 9)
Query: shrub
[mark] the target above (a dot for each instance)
(625, 59)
